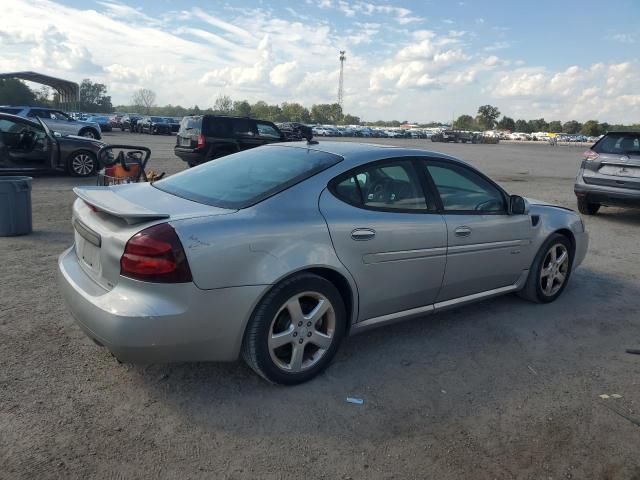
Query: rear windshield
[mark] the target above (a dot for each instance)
(246, 178)
(619, 143)
(191, 125)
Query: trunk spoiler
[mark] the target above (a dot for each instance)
(108, 201)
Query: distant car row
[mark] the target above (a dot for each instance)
(368, 132)
(153, 125)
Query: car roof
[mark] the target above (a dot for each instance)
(17, 117)
(356, 153)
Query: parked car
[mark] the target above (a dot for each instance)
(29, 145)
(57, 121)
(294, 131)
(103, 121)
(276, 253)
(129, 122)
(174, 123)
(610, 173)
(206, 137)
(456, 136)
(154, 126)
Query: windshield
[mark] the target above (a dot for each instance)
(246, 178)
(619, 143)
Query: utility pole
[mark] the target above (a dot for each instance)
(341, 81)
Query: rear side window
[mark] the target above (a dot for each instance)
(191, 125)
(619, 143)
(243, 126)
(218, 127)
(391, 185)
(246, 178)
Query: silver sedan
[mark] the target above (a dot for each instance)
(276, 253)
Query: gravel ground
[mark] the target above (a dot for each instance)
(500, 389)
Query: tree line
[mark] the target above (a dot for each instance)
(487, 119)
(143, 101)
(94, 99)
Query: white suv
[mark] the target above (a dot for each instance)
(57, 121)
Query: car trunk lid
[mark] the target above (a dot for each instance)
(614, 170)
(105, 218)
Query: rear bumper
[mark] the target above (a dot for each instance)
(143, 322)
(607, 195)
(189, 155)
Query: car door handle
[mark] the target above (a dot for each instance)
(462, 231)
(360, 234)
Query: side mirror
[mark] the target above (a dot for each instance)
(518, 205)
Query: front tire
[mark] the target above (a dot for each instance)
(587, 208)
(550, 270)
(82, 164)
(88, 133)
(295, 330)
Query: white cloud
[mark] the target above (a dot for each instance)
(282, 74)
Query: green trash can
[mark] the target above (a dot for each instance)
(15, 206)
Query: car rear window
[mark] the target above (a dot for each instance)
(619, 143)
(246, 178)
(191, 125)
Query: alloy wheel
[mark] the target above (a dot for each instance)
(554, 270)
(302, 331)
(82, 164)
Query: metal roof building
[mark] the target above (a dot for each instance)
(68, 91)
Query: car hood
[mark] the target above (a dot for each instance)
(85, 140)
(542, 203)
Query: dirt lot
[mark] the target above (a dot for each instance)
(500, 389)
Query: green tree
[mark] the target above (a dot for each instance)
(327, 113)
(572, 126)
(242, 108)
(591, 128)
(555, 126)
(488, 115)
(538, 125)
(294, 112)
(223, 105)
(94, 98)
(14, 92)
(350, 120)
(507, 123)
(464, 122)
(522, 126)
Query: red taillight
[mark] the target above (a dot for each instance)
(200, 141)
(155, 255)
(91, 207)
(591, 155)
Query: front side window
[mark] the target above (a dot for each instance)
(391, 185)
(246, 178)
(266, 130)
(39, 113)
(59, 116)
(463, 190)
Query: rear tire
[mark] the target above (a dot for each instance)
(587, 208)
(550, 271)
(295, 330)
(82, 164)
(88, 133)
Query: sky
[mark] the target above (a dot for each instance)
(406, 60)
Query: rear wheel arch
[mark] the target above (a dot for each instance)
(349, 297)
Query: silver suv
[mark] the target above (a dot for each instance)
(57, 121)
(610, 173)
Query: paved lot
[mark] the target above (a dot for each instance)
(500, 389)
